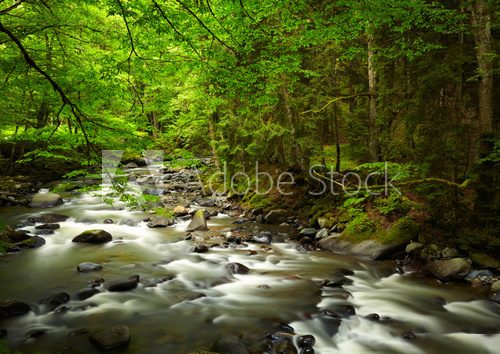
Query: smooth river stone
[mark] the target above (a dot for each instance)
(87, 267)
(111, 338)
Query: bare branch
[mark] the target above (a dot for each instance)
(336, 99)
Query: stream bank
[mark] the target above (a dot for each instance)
(253, 281)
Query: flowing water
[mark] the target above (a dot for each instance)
(203, 302)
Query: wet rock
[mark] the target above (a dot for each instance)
(482, 260)
(334, 283)
(93, 236)
(124, 284)
(61, 309)
(276, 216)
(237, 268)
(201, 249)
(456, 268)
(13, 235)
(44, 232)
(307, 350)
(262, 237)
(495, 287)
(369, 249)
(259, 219)
(46, 200)
(79, 332)
(373, 317)
(56, 300)
(340, 311)
(449, 253)
(240, 221)
(155, 281)
(198, 223)
(284, 327)
(308, 232)
(33, 242)
(414, 247)
(130, 165)
(180, 210)
(306, 341)
(12, 308)
(111, 338)
(86, 293)
(127, 222)
(229, 345)
(160, 221)
(409, 335)
(479, 273)
(50, 218)
(48, 227)
(322, 234)
(495, 297)
(208, 203)
(108, 221)
(36, 333)
(94, 283)
(305, 247)
(86, 267)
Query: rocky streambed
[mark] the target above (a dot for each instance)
(212, 278)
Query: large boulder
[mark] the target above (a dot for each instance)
(229, 345)
(111, 338)
(12, 308)
(93, 236)
(276, 216)
(456, 268)
(369, 249)
(46, 200)
(124, 284)
(198, 223)
(33, 242)
(13, 235)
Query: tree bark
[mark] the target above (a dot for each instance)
(482, 32)
(372, 87)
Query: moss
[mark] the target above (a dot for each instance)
(360, 228)
(259, 201)
(164, 212)
(405, 229)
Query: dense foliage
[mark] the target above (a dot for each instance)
(291, 83)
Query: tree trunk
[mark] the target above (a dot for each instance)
(373, 143)
(482, 35)
(301, 159)
(213, 137)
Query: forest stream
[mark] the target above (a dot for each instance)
(185, 301)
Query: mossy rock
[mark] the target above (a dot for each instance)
(483, 260)
(405, 229)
